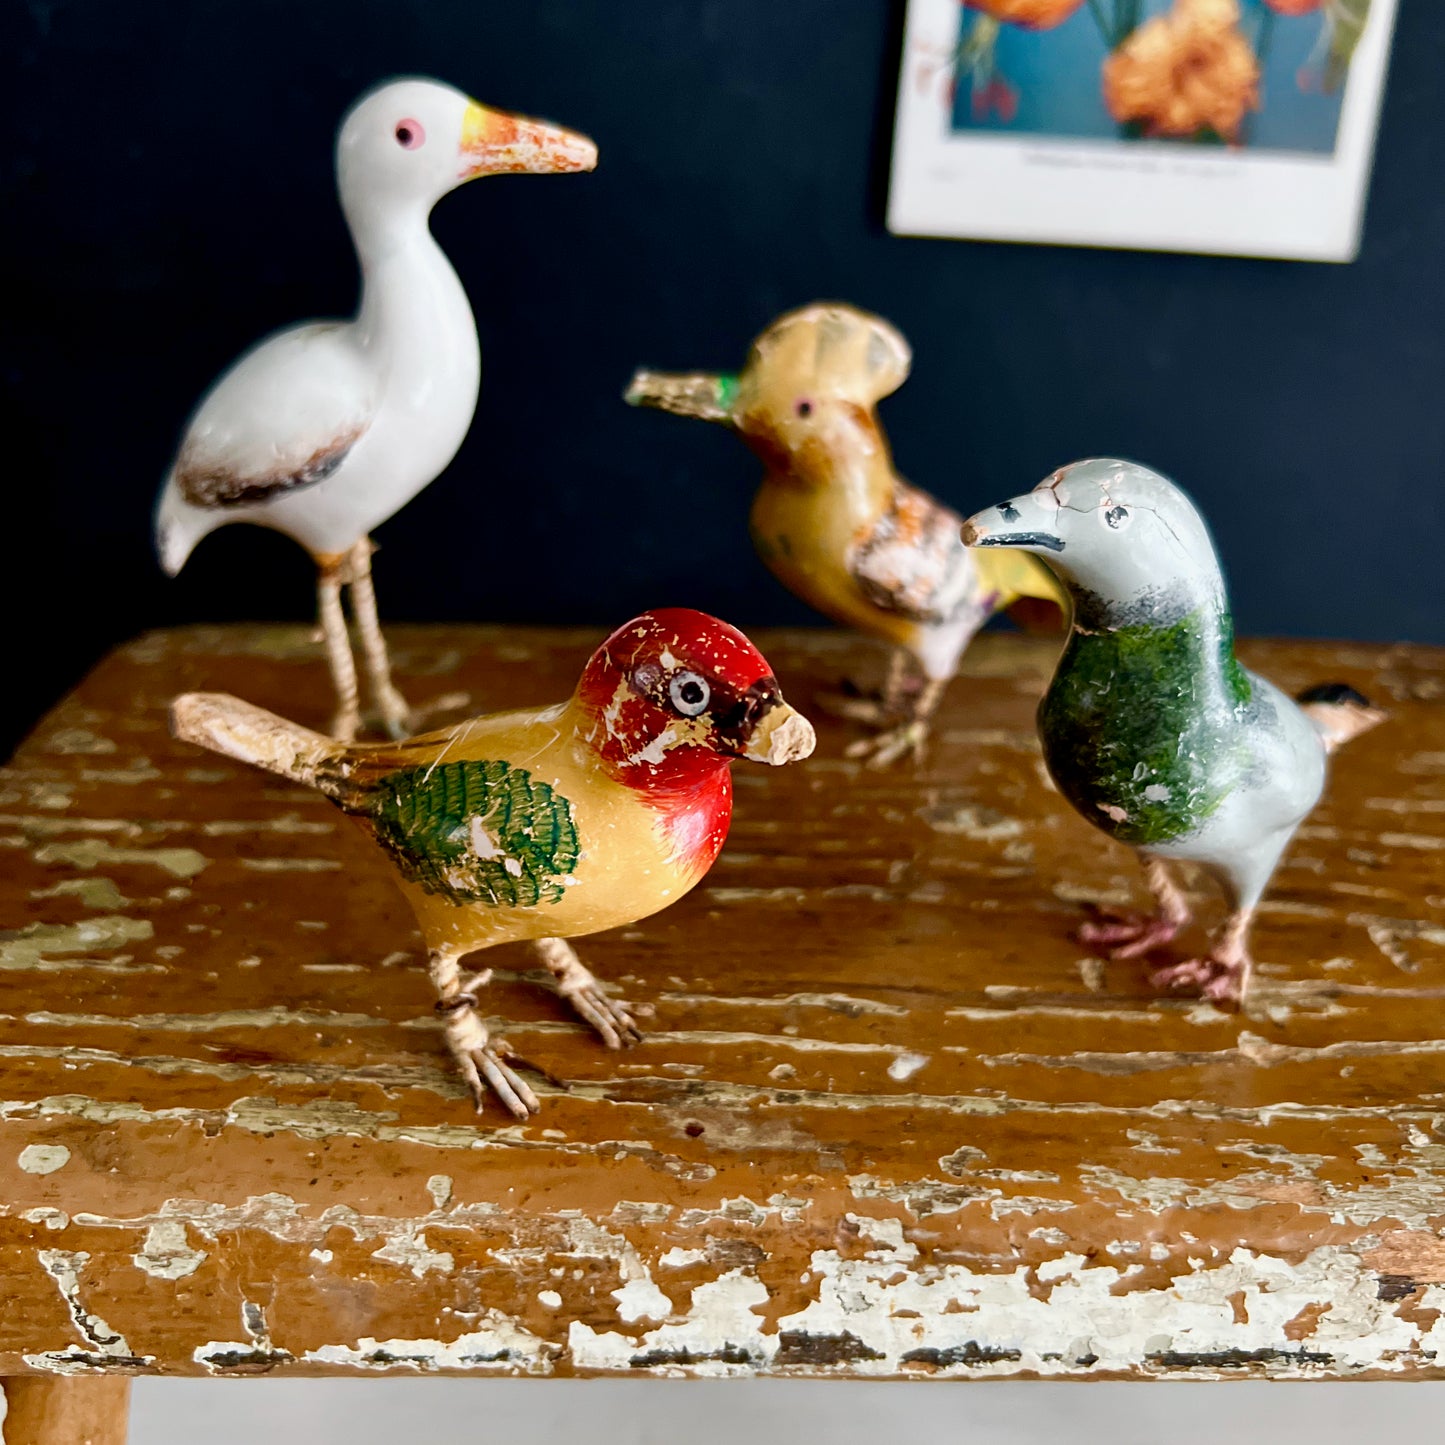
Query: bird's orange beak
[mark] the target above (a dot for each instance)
(495, 142)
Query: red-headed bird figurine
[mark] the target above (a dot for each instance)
(546, 823)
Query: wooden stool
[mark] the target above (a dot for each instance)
(889, 1119)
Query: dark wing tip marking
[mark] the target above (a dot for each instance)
(204, 486)
(1335, 694)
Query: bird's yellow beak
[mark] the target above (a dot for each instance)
(781, 736)
(495, 142)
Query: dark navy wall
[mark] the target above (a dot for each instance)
(167, 198)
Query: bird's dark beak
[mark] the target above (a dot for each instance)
(780, 735)
(708, 396)
(1021, 523)
(495, 142)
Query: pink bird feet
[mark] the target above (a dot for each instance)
(1129, 936)
(1220, 980)
(1220, 976)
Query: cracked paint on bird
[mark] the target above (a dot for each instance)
(273, 1167)
(834, 521)
(1151, 727)
(477, 831)
(546, 824)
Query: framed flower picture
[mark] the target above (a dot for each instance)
(1240, 127)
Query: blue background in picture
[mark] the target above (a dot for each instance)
(1056, 75)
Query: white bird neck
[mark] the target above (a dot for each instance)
(413, 305)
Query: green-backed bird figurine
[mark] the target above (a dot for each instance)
(1151, 728)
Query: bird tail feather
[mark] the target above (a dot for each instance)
(250, 734)
(1338, 712)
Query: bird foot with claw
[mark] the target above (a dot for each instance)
(1128, 936)
(888, 747)
(1218, 980)
(611, 1017)
(481, 1061)
(397, 718)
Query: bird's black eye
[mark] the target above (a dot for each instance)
(409, 134)
(804, 408)
(689, 694)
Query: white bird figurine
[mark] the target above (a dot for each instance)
(1151, 727)
(324, 430)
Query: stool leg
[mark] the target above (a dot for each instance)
(66, 1409)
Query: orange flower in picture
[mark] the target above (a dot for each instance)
(1294, 7)
(1028, 14)
(1185, 72)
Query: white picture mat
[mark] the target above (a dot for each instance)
(1138, 194)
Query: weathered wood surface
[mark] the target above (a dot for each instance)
(890, 1119)
(66, 1410)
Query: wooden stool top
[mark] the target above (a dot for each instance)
(889, 1119)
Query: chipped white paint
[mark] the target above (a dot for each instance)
(76, 740)
(92, 852)
(292, 865)
(410, 1250)
(100, 1342)
(255, 1349)
(1081, 1317)
(921, 1196)
(285, 823)
(31, 947)
(906, 1065)
(497, 1342)
(983, 825)
(439, 1186)
(167, 1254)
(549, 1299)
(50, 1218)
(97, 893)
(721, 1314)
(679, 1258)
(43, 1158)
(640, 1299)
(886, 1312)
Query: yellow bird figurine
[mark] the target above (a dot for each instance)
(545, 824)
(834, 521)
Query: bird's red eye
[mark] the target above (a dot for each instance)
(804, 408)
(410, 135)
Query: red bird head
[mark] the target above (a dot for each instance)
(673, 694)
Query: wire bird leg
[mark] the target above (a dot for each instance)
(907, 738)
(331, 573)
(1134, 934)
(576, 983)
(479, 1060)
(396, 716)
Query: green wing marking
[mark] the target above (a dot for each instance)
(479, 832)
